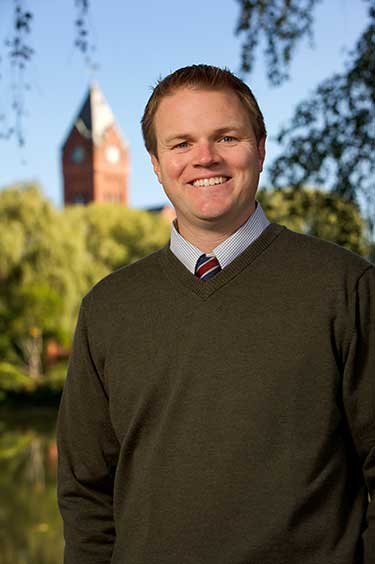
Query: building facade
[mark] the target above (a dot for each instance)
(95, 158)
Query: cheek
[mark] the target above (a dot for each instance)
(172, 169)
(249, 164)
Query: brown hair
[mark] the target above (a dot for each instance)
(206, 77)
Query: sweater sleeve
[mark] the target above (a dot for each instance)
(359, 395)
(87, 457)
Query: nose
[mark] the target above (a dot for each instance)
(205, 154)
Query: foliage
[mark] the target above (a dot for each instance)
(13, 378)
(17, 388)
(281, 24)
(82, 41)
(331, 137)
(317, 213)
(37, 290)
(55, 376)
(20, 53)
(115, 235)
(50, 258)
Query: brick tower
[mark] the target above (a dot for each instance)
(95, 159)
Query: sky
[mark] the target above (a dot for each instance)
(137, 43)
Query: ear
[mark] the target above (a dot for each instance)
(155, 166)
(261, 153)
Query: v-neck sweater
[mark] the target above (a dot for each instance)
(230, 421)
(227, 250)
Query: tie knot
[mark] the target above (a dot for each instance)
(207, 267)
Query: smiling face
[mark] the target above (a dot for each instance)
(208, 159)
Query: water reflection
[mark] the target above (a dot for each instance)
(30, 526)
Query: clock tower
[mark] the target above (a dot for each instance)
(95, 159)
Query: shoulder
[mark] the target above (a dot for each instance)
(324, 256)
(126, 284)
(317, 266)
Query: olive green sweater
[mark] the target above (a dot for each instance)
(224, 422)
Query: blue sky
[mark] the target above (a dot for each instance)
(137, 42)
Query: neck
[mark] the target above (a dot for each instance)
(205, 241)
(207, 237)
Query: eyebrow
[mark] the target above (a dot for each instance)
(187, 136)
(179, 137)
(227, 129)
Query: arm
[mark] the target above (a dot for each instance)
(88, 452)
(359, 394)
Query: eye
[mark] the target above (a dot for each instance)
(182, 145)
(228, 139)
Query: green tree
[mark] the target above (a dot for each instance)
(44, 270)
(318, 213)
(50, 258)
(331, 137)
(116, 235)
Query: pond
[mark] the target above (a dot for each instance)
(30, 524)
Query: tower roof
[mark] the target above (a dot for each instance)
(95, 115)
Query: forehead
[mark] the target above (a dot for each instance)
(197, 106)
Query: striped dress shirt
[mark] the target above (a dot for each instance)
(227, 251)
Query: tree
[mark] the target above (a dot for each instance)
(49, 259)
(116, 235)
(331, 136)
(318, 213)
(20, 53)
(39, 294)
(282, 24)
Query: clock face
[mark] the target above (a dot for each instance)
(78, 154)
(112, 154)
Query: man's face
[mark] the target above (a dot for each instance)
(208, 159)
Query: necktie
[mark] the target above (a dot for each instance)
(207, 267)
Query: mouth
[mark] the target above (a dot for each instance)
(207, 182)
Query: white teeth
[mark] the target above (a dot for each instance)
(210, 181)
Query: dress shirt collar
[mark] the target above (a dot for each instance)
(227, 251)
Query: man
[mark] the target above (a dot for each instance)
(220, 401)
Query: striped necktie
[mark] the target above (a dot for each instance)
(207, 267)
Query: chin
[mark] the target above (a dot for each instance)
(211, 215)
(213, 212)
